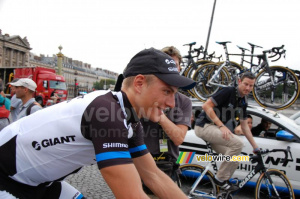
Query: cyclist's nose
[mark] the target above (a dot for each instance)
(170, 101)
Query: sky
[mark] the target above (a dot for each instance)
(108, 33)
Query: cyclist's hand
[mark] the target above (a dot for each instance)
(256, 150)
(226, 133)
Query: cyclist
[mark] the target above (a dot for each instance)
(216, 123)
(172, 126)
(103, 127)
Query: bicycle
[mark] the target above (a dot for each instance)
(275, 86)
(271, 183)
(190, 66)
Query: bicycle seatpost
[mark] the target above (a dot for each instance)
(252, 52)
(225, 48)
(190, 49)
(243, 54)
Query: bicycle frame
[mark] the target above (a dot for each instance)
(264, 64)
(212, 164)
(259, 168)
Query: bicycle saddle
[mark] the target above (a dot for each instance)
(190, 44)
(243, 49)
(253, 45)
(223, 42)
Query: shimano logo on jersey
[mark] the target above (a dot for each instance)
(170, 61)
(114, 145)
(53, 141)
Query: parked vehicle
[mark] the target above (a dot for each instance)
(46, 79)
(279, 122)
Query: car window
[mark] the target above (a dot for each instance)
(263, 127)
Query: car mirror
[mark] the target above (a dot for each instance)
(284, 135)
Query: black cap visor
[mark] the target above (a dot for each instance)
(176, 80)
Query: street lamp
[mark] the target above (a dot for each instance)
(104, 86)
(75, 87)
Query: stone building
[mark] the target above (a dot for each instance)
(15, 52)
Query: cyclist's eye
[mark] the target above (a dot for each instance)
(167, 92)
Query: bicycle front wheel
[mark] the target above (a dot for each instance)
(279, 94)
(273, 184)
(202, 75)
(206, 186)
(191, 68)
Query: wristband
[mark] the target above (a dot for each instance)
(221, 126)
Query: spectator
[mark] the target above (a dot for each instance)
(14, 101)
(54, 96)
(238, 129)
(172, 126)
(103, 127)
(262, 128)
(25, 88)
(4, 110)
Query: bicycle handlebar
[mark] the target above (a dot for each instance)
(277, 51)
(286, 151)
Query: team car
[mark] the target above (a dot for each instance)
(283, 132)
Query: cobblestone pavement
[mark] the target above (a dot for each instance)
(90, 183)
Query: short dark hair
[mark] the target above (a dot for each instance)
(249, 116)
(247, 75)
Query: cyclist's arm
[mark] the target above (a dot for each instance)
(247, 132)
(124, 181)
(208, 108)
(161, 184)
(175, 132)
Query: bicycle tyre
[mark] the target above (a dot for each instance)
(202, 75)
(190, 71)
(285, 91)
(190, 172)
(282, 183)
(235, 70)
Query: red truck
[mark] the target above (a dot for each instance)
(45, 78)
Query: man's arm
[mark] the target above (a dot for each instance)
(247, 132)
(175, 132)
(124, 181)
(208, 107)
(159, 183)
(238, 130)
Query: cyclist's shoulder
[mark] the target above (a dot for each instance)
(224, 92)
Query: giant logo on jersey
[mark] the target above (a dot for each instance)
(52, 141)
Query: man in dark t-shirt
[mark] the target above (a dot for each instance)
(164, 137)
(216, 123)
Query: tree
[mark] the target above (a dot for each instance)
(100, 85)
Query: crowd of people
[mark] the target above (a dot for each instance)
(129, 133)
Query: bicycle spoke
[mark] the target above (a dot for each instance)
(281, 93)
(277, 186)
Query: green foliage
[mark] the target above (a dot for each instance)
(100, 85)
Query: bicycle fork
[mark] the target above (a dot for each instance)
(269, 182)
